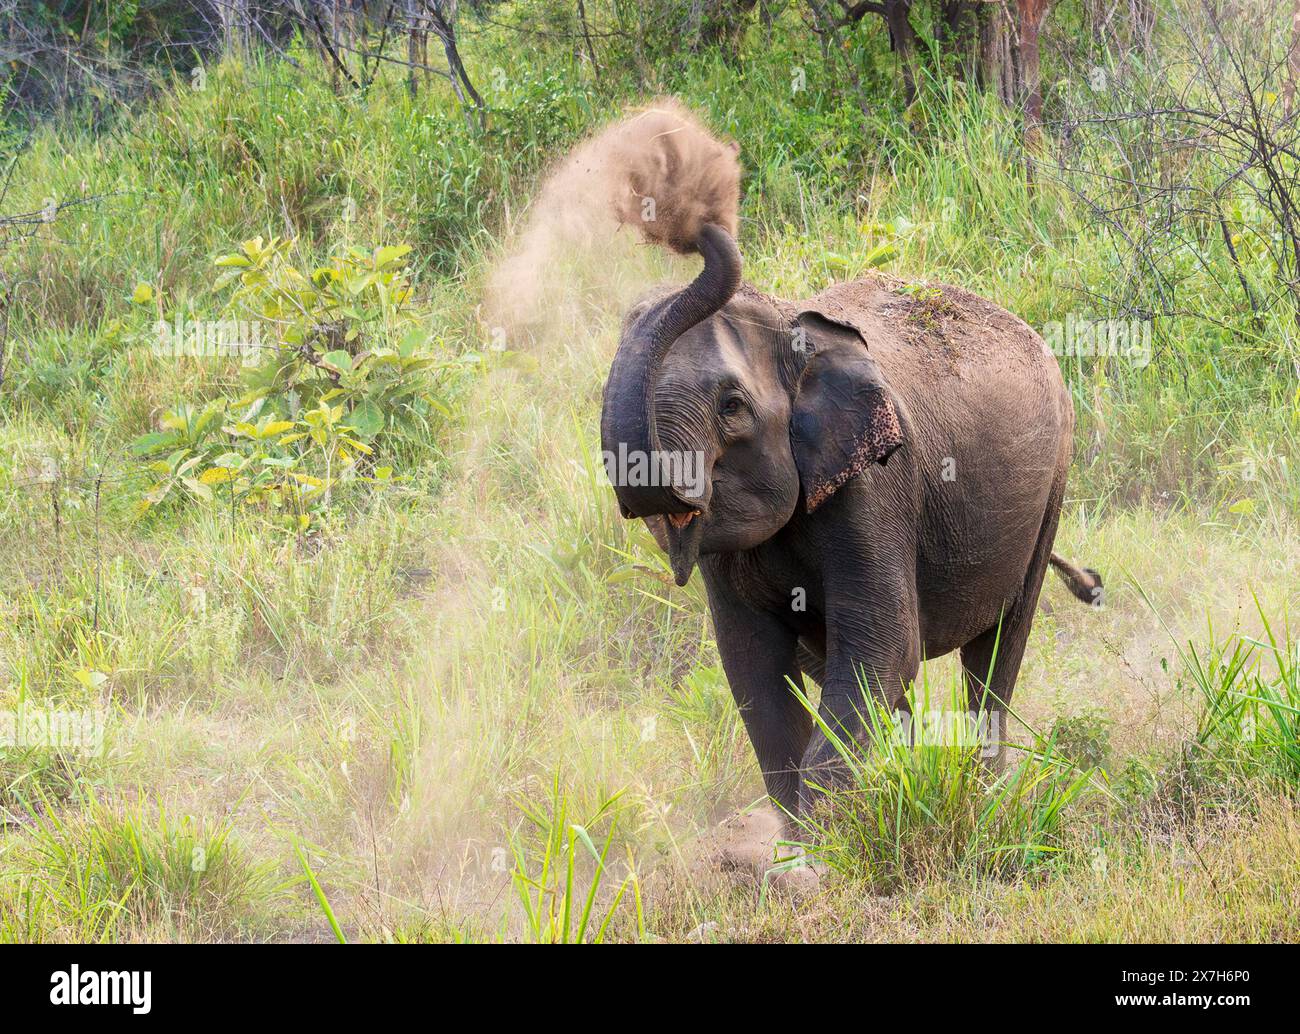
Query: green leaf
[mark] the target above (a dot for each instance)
(880, 254)
(338, 360)
(152, 442)
(207, 418)
(320, 895)
(90, 678)
(413, 341)
(367, 419)
(388, 255)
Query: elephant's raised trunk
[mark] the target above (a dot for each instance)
(627, 423)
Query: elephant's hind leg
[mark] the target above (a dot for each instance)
(990, 665)
(991, 661)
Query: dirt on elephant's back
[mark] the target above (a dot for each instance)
(951, 325)
(926, 317)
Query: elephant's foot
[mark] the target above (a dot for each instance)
(749, 844)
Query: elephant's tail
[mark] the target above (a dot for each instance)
(1084, 582)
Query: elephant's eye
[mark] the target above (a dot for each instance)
(732, 405)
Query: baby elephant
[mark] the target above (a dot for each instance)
(866, 478)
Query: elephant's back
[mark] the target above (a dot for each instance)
(942, 347)
(938, 330)
(991, 423)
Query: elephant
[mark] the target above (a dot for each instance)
(880, 473)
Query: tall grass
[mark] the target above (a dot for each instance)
(492, 621)
(1249, 688)
(922, 801)
(132, 872)
(549, 879)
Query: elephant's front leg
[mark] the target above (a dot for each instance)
(872, 645)
(758, 655)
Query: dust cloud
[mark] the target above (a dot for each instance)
(608, 224)
(655, 176)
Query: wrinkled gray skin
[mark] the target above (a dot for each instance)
(885, 472)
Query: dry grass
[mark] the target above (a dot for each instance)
(392, 697)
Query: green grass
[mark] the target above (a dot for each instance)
(1249, 725)
(548, 880)
(392, 683)
(923, 800)
(130, 872)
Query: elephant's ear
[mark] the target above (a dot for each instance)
(844, 416)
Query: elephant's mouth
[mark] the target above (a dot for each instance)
(683, 533)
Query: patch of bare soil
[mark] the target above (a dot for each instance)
(748, 847)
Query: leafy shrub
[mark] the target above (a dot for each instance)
(1083, 738)
(331, 397)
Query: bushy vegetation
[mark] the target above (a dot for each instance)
(106, 874)
(353, 595)
(924, 799)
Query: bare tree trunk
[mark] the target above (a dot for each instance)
(1032, 14)
(958, 32)
(411, 13)
(903, 36)
(334, 44)
(997, 60)
(235, 26)
(586, 35)
(1142, 15)
(443, 28)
